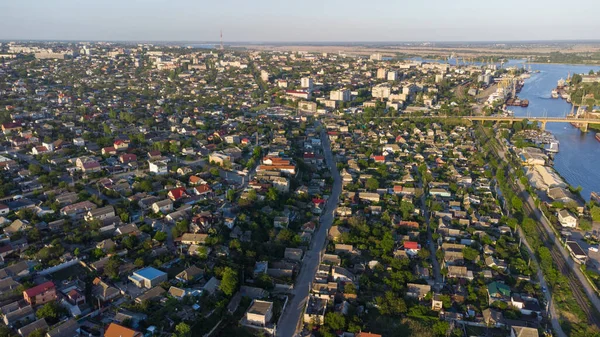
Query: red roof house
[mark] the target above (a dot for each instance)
(40, 294)
(127, 158)
(177, 193)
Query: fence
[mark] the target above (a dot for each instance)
(59, 267)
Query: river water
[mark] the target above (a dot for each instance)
(578, 160)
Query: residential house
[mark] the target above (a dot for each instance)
(259, 313)
(498, 292)
(100, 213)
(418, 291)
(78, 210)
(127, 158)
(193, 239)
(163, 206)
(40, 294)
(158, 167)
(190, 274)
(116, 330)
(152, 294)
(521, 331)
(28, 329)
(204, 190)
(177, 193)
(566, 219)
(23, 314)
(104, 292)
(315, 309)
(219, 158)
(69, 328)
(177, 293)
(121, 144)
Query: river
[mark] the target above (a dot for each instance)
(578, 160)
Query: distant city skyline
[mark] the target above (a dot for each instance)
(307, 21)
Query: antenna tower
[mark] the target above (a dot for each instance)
(221, 39)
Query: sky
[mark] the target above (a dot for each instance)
(299, 21)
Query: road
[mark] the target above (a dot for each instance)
(291, 319)
(27, 158)
(435, 265)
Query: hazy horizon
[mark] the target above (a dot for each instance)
(310, 21)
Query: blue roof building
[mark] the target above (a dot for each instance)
(148, 277)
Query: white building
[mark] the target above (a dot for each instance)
(306, 82)
(158, 167)
(259, 313)
(381, 73)
(392, 76)
(340, 95)
(566, 219)
(381, 91)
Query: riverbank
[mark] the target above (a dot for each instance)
(579, 157)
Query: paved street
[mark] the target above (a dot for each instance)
(292, 317)
(432, 249)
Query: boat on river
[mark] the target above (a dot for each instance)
(598, 136)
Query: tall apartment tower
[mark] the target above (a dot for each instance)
(306, 82)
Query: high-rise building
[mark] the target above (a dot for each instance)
(306, 82)
(381, 73)
(340, 95)
(381, 91)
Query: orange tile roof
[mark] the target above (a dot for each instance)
(116, 330)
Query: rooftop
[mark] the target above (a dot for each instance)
(150, 273)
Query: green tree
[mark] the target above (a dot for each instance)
(272, 194)
(440, 328)
(111, 269)
(106, 129)
(470, 253)
(202, 252)
(230, 195)
(160, 236)
(595, 212)
(335, 321)
(372, 184)
(35, 169)
(51, 311)
(229, 282)
(183, 330)
(407, 208)
(517, 203)
(390, 304)
(585, 224)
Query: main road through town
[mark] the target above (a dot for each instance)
(291, 319)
